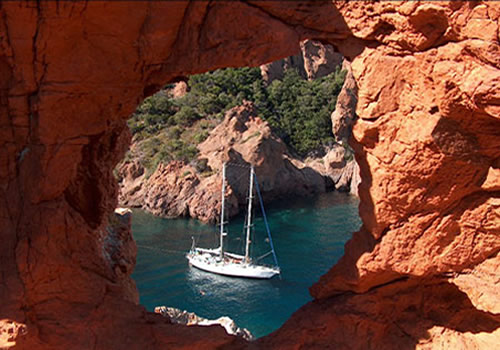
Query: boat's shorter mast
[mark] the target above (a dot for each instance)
(249, 216)
(222, 211)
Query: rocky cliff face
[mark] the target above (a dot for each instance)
(424, 266)
(315, 60)
(338, 164)
(179, 189)
(450, 210)
(344, 115)
(339, 167)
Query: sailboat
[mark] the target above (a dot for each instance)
(221, 262)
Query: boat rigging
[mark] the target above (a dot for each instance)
(222, 262)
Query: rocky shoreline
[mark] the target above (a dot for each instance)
(180, 189)
(191, 319)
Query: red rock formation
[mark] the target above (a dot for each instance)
(244, 138)
(410, 314)
(429, 138)
(344, 115)
(336, 165)
(276, 69)
(344, 174)
(179, 89)
(319, 59)
(176, 190)
(315, 60)
(427, 143)
(131, 177)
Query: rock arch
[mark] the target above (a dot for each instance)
(427, 141)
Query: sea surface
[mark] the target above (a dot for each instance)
(308, 235)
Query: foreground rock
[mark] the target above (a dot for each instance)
(426, 142)
(191, 319)
(179, 189)
(120, 250)
(9, 331)
(407, 314)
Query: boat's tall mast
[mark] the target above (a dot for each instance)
(222, 233)
(249, 220)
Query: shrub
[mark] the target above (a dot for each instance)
(186, 152)
(200, 136)
(201, 165)
(255, 134)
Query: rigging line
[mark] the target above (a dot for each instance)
(234, 182)
(242, 240)
(263, 256)
(198, 234)
(265, 219)
(252, 231)
(161, 249)
(237, 180)
(241, 165)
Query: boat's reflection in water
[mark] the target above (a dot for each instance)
(229, 289)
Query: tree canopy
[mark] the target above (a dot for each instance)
(298, 111)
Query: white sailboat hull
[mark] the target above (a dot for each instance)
(231, 266)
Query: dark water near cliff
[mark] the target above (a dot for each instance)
(308, 234)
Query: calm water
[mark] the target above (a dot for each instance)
(308, 234)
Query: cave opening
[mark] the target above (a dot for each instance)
(422, 270)
(291, 119)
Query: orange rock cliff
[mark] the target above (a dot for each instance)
(179, 189)
(422, 272)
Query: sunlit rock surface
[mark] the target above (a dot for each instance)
(427, 142)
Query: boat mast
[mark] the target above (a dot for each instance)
(249, 220)
(222, 211)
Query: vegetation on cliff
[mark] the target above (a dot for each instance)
(168, 128)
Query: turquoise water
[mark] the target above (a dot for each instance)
(308, 234)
